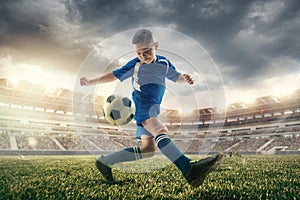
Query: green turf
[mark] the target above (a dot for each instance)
(250, 177)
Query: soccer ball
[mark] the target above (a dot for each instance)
(118, 110)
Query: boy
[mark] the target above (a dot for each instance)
(148, 72)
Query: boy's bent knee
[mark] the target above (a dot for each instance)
(148, 151)
(148, 147)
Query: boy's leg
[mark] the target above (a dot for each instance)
(124, 155)
(194, 172)
(148, 146)
(103, 163)
(147, 149)
(166, 145)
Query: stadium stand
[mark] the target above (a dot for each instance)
(34, 119)
(4, 140)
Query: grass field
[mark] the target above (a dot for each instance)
(71, 177)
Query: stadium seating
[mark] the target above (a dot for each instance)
(35, 118)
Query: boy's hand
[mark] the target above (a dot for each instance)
(84, 81)
(188, 78)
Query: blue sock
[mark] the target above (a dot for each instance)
(169, 149)
(124, 155)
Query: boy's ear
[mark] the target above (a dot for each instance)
(155, 45)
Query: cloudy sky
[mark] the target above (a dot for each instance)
(255, 45)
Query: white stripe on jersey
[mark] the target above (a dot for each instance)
(135, 77)
(136, 85)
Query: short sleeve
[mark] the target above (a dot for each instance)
(126, 71)
(172, 73)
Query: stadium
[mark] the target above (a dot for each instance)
(39, 121)
(47, 151)
(243, 111)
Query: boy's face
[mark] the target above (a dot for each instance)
(146, 52)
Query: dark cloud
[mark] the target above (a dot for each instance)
(218, 28)
(218, 25)
(21, 19)
(108, 17)
(35, 32)
(214, 24)
(244, 36)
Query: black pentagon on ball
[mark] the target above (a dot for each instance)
(126, 102)
(110, 98)
(115, 114)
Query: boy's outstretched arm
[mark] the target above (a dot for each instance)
(185, 78)
(105, 78)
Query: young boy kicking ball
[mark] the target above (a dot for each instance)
(148, 72)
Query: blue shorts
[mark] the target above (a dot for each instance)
(143, 113)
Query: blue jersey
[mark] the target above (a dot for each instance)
(148, 81)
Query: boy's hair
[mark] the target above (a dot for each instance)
(143, 36)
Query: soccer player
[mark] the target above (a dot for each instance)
(148, 72)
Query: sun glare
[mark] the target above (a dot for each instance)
(38, 75)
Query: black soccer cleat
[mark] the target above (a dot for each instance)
(201, 168)
(105, 171)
